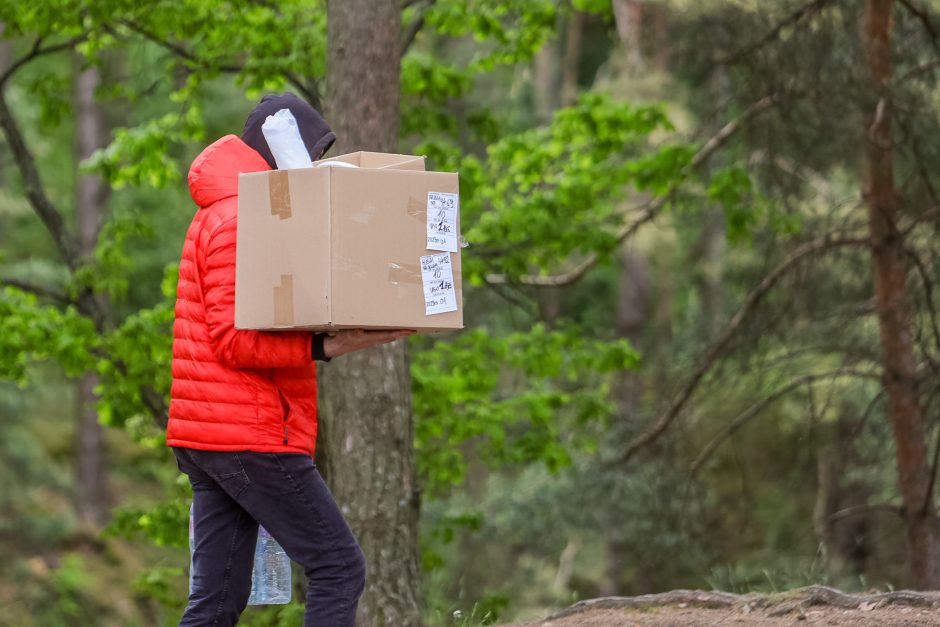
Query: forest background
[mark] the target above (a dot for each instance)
(701, 344)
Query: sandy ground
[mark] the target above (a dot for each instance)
(680, 617)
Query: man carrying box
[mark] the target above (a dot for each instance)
(242, 421)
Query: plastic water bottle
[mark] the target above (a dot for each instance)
(192, 547)
(270, 576)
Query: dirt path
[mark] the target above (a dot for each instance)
(700, 617)
(815, 605)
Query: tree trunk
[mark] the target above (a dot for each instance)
(634, 293)
(659, 14)
(572, 60)
(628, 18)
(889, 272)
(6, 58)
(91, 493)
(545, 81)
(366, 439)
(845, 540)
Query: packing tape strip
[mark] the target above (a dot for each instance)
(284, 301)
(417, 210)
(404, 273)
(279, 194)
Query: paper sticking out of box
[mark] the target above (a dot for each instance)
(334, 247)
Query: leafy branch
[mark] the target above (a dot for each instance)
(649, 210)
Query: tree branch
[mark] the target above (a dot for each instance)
(408, 37)
(35, 194)
(37, 51)
(928, 295)
(717, 350)
(38, 290)
(916, 71)
(310, 94)
(156, 404)
(175, 48)
(923, 15)
(793, 19)
(928, 493)
(650, 209)
(755, 409)
(859, 510)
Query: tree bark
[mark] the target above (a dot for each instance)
(6, 59)
(366, 439)
(91, 494)
(889, 273)
(845, 541)
(572, 59)
(633, 309)
(628, 18)
(545, 81)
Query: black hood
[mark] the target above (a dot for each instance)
(314, 130)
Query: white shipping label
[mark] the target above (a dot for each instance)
(437, 274)
(442, 221)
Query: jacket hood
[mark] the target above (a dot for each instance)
(314, 131)
(214, 173)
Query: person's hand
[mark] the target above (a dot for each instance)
(349, 340)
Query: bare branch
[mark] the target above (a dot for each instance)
(408, 37)
(175, 48)
(926, 216)
(156, 404)
(38, 290)
(918, 70)
(860, 510)
(37, 51)
(798, 171)
(310, 92)
(649, 210)
(923, 15)
(927, 505)
(928, 295)
(35, 193)
(718, 349)
(805, 11)
(745, 416)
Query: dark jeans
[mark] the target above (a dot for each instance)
(232, 493)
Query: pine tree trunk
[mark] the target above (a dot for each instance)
(545, 81)
(572, 59)
(894, 317)
(366, 439)
(628, 18)
(91, 493)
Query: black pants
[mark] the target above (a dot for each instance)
(232, 493)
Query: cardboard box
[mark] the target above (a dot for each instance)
(341, 247)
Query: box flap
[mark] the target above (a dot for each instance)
(380, 161)
(353, 158)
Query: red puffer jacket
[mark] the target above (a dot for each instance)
(233, 390)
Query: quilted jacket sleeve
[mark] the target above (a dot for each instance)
(234, 347)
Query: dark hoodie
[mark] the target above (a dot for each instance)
(314, 130)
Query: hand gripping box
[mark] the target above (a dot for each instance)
(331, 247)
